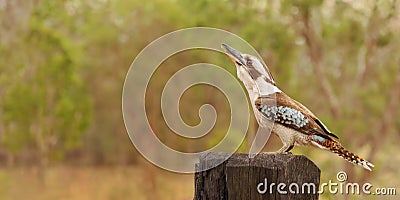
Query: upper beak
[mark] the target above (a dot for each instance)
(234, 54)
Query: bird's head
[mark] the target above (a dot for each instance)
(251, 64)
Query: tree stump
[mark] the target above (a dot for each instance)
(266, 176)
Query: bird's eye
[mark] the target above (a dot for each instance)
(249, 62)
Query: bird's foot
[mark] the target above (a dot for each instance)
(284, 152)
(268, 152)
(285, 149)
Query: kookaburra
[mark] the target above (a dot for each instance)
(294, 124)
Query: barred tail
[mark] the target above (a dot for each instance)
(338, 149)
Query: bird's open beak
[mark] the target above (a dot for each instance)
(234, 54)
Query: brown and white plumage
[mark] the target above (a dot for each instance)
(293, 122)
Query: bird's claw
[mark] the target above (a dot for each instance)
(268, 152)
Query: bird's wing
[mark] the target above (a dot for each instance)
(282, 109)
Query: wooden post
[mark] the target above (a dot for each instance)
(266, 176)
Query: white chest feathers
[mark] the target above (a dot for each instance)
(258, 87)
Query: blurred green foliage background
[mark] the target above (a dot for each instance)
(63, 64)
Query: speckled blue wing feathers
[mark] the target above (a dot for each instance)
(292, 114)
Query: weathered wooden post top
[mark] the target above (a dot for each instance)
(266, 176)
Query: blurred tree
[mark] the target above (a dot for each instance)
(45, 105)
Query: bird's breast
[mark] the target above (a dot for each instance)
(285, 133)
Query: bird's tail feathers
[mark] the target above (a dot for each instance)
(338, 149)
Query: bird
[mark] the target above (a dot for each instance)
(293, 122)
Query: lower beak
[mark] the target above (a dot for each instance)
(234, 54)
